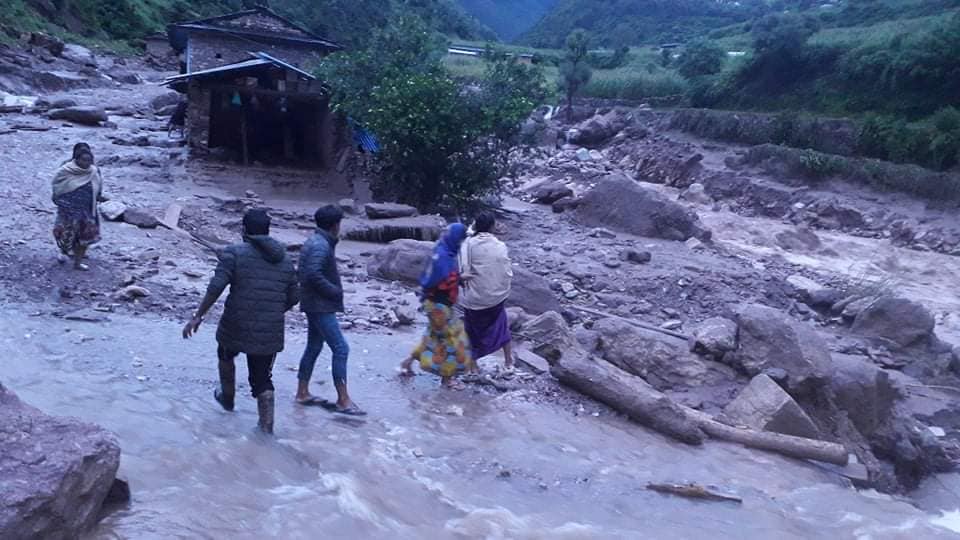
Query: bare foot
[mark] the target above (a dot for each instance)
(406, 368)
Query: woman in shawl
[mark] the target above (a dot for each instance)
(76, 190)
(486, 273)
(444, 349)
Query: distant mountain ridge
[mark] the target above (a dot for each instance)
(508, 18)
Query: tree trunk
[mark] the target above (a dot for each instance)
(628, 394)
(570, 106)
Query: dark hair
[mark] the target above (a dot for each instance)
(485, 222)
(328, 216)
(80, 149)
(256, 222)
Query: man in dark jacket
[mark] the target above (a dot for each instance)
(322, 300)
(263, 287)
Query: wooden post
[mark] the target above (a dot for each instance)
(243, 135)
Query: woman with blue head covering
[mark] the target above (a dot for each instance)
(444, 349)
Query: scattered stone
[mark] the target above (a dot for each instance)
(695, 244)
(583, 155)
(597, 130)
(125, 77)
(348, 206)
(531, 361)
(696, 193)
(764, 406)
(112, 210)
(516, 318)
(131, 293)
(52, 44)
(896, 319)
(79, 54)
(622, 204)
(602, 233)
(769, 338)
(798, 240)
(864, 391)
(714, 337)
(406, 314)
(454, 410)
(88, 116)
(56, 472)
(672, 325)
(611, 263)
(389, 210)
(140, 218)
(636, 257)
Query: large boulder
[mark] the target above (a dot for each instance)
(389, 210)
(88, 116)
(764, 406)
(140, 218)
(863, 390)
(548, 191)
(714, 337)
(54, 472)
(165, 100)
(895, 319)
(401, 260)
(532, 293)
(619, 203)
(663, 361)
(597, 130)
(770, 340)
(79, 54)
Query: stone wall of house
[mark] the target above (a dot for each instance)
(210, 51)
(198, 116)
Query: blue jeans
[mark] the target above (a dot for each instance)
(324, 328)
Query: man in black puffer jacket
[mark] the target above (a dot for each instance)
(322, 300)
(263, 287)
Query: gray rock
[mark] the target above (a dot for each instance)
(769, 338)
(517, 318)
(401, 260)
(864, 391)
(597, 130)
(583, 155)
(125, 77)
(165, 100)
(805, 287)
(715, 337)
(764, 406)
(348, 206)
(389, 210)
(548, 192)
(635, 256)
(79, 54)
(896, 319)
(88, 116)
(551, 337)
(112, 210)
(532, 293)
(140, 218)
(696, 193)
(621, 204)
(55, 472)
(798, 240)
(663, 361)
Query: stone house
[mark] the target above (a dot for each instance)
(249, 90)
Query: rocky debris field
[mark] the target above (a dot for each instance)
(658, 274)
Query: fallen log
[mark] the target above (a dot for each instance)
(788, 445)
(632, 396)
(628, 394)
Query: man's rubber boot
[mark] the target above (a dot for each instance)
(265, 410)
(228, 385)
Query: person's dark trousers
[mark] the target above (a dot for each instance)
(324, 328)
(259, 367)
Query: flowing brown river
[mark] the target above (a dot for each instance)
(426, 464)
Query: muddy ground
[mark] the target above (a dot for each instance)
(681, 285)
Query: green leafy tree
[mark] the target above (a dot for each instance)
(574, 71)
(701, 58)
(443, 143)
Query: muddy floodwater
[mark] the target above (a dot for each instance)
(426, 463)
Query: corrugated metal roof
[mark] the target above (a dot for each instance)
(259, 59)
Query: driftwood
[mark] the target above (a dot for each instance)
(788, 445)
(628, 394)
(632, 396)
(692, 491)
(638, 324)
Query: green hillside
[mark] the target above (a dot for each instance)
(508, 18)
